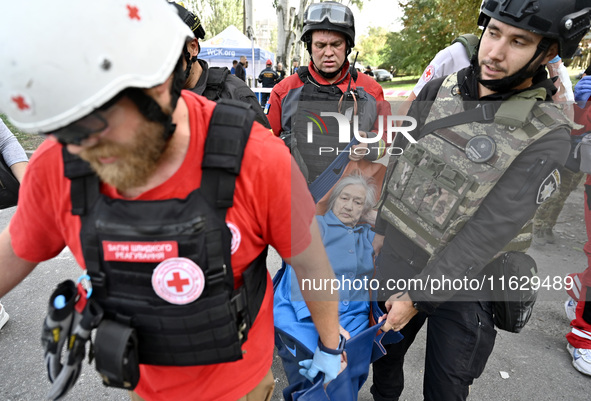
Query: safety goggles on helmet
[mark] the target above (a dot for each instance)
(336, 13)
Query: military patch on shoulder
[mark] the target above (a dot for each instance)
(549, 186)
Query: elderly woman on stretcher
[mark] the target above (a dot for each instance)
(348, 243)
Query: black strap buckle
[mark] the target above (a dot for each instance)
(217, 277)
(240, 303)
(488, 111)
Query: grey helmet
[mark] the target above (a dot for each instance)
(565, 21)
(329, 16)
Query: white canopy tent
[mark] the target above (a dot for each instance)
(229, 45)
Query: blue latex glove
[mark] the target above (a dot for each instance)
(321, 362)
(583, 91)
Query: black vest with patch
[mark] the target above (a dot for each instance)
(314, 99)
(210, 329)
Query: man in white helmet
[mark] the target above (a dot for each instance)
(160, 199)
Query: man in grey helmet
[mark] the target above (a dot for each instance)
(490, 144)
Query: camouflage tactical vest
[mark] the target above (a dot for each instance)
(435, 188)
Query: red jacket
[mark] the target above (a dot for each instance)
(287, 91)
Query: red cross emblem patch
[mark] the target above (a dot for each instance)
(236, 237)
(179, 281)
(428, 73)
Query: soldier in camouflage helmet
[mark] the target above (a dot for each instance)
(489, 145)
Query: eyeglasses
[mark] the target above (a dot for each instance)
(337, 14)
(79, 130)
(74, 133)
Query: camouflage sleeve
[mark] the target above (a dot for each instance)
(508, 207)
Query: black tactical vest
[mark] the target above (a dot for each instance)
(216, 82)
(210, 329)
(315, 99)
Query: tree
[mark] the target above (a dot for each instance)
(289, 27)
(429, 26)
(216, 15)
(370, 46)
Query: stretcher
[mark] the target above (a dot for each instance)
(361, 350)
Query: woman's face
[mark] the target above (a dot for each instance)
(348, 206)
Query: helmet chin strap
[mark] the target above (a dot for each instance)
(190, 60)
(151, 110)
(508, 83)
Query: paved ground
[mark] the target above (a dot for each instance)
(535, 360)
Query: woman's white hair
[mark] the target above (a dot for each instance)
(355, 179)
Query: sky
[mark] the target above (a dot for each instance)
(384, 13)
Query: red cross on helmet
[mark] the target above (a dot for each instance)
(117, 45)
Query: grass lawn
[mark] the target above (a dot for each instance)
(401, 83)
(393, 85)
(27, 141)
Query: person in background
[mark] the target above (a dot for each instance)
(13, 153)
(577, 61)
(564, 86)
(578, 304)
(547, 214)
(240, 70)
(268, 78)
(233, 69)
(215, 83)
(368, 71)
(295, 65)
(448, 60)
(281, 72)
(16, 159)
(3, 316)
(156, 164)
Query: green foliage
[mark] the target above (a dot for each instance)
(27, 141)
(429, 26)
(216, 15)
(370, 47)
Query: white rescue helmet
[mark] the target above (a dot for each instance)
(69, 57)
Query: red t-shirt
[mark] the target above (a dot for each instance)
(263, 213)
